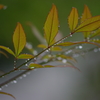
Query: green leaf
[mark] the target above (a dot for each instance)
(67, 57)
(8, 94)
(86, 14)
(3, 53)
(19, 39)
(73, 19)
(51, 26)
(7, 49)
(73, 43)
(42, 46)
(66, 43)
(89, 25)
(69, 65)
(96, 41)
(56, 48)
(25, 56)
(96, 33)
(33, 65)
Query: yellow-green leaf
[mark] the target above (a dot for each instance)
(8, 94)
(96, 33)
(33, 65)
(89, 24)
(25, 56)
(67, 57)
(19, 39)
(42, 46)
(73, 19)
(66, 43)
(51, 26)
(69, 65)
(7, 49)
(56, 48)
(73, 43)
(3, 53)
(96, 41)
(86, 14)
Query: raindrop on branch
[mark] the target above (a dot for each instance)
(0, 89)
(64, 61)
(14, 81)
(80, 47)
(24, 75)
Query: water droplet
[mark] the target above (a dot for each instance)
(80, 47)
(32, 67)
(14, 81)
(70, 35)
(64, 60)
(28, 45)
(5, 7)
(28, 73)
(99, 49)
(69, 51)
(6, 85)
(35, 52)
(59, 58)
(35, 58)
(20, 77)
(3, 76)
(95, 50)
(26, 65)
(75, 55)
(0, 89)
(47, 50)
(45, 60)
(24, 75)
(14, 61)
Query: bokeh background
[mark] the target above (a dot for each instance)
(53, 83)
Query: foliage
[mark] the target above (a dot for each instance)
(86, 24)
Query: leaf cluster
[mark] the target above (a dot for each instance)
(52, 49)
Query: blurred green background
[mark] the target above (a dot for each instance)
(36, 12)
